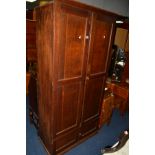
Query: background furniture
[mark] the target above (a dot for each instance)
(74, 46)
(31, 51)
(33, 104)
(31, 67)
(117, 93)
(116, 97)
(27, 82)
(30, 48)
(122, 41)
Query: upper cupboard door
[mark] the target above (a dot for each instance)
(100, 44)
(73, 26)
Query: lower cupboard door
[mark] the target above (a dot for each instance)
(92, 105)
(65, 141)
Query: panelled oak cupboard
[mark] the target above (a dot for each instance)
(74, 46)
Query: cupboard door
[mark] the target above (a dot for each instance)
(96, 71)
(70, 67)
(100, 45)
(73, 24)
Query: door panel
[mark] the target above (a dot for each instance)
(67, 107)
(100, 46)
(72, 44)
(93, 93)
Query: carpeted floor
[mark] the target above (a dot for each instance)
(107, 135)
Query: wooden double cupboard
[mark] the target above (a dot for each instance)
(74, 48)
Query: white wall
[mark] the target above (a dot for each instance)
(120, 7)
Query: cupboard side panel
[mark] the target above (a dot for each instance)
(45, 49)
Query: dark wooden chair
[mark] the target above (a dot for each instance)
(118, 145)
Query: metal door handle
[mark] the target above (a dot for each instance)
(87, 78)
(87, 37)
(79, 37)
